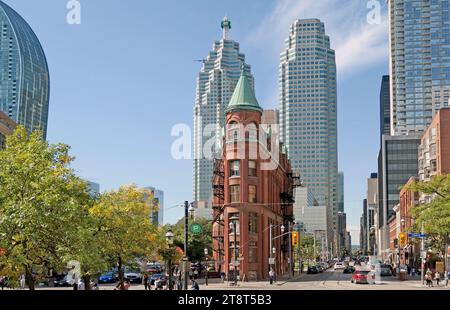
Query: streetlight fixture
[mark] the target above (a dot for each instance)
(169, 239)
(233, 219)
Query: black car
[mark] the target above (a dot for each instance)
(312, 270)
(62, 282)
(349, 269)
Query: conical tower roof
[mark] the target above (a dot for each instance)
(243, 98)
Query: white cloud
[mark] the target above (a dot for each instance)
(358, 44)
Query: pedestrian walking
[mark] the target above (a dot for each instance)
(428, 279)
(22, 281)
(413, 272)
(2, 282)
(145, 281)
(271, 276)
(194, 285)
(437, 277)
(81, 285)
(447, 278)
(222, 276)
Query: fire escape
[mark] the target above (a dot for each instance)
(218, 208)
(287, 204)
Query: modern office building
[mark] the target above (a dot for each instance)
(215, 84)
(24, 75)
(253, 202)
(93, 188)
(398, 161)
(304, 198)
(419, 40)
(342, 231)
(363, 228)
(385, 107)
(341, 192)
(434, 149)
(308, 112)
(313, 218)
(7, 127)
(372, 205)
(157, 214)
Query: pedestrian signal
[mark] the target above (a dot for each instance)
(295, 238)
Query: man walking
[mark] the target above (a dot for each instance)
(271, 275)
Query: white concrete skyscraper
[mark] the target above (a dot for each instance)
(308, 111)
(215, 85)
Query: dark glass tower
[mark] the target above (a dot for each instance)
(24, 77)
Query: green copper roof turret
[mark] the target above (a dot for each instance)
(243, 98)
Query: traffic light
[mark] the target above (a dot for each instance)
(402, 239)
(295, 238)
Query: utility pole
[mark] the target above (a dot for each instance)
(290, 250)
(422, 249)
(185, 258)
(270, 246)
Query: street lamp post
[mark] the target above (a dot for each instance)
(206, 269)
(233, 220)
(187, 209)
(169, 238)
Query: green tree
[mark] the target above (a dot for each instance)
(196, 243)
(307, 248)
(42, 204)
(124, 228)
(434, 216)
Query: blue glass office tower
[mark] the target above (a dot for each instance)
(24, 77)
(308, 112)
(419, 62)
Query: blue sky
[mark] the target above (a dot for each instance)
(122, 78)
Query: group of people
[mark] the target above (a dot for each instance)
(161, 284)
(437, 277)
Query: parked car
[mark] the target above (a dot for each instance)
(320, 268)
(339, 265)
(312, 270)
(362, 277)
(349, 269)
(134, 276)
(62, 281)
(385, 270)
(157, 276)
(154, 268)
(108, 277)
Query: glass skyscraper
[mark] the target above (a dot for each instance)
(385, 107)
(24, 76)
(341, 191)
(419, 62)
(308, 111)
(215, 85)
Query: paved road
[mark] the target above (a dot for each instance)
(328, 280)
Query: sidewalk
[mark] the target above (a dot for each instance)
(251, 284)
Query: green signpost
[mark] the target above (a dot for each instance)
(196, 229)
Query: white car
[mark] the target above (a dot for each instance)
(339, 265)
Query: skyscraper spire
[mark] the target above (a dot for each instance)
(226, 26)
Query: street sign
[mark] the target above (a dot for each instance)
(196, 229)
(415, 235)
(271, 260)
